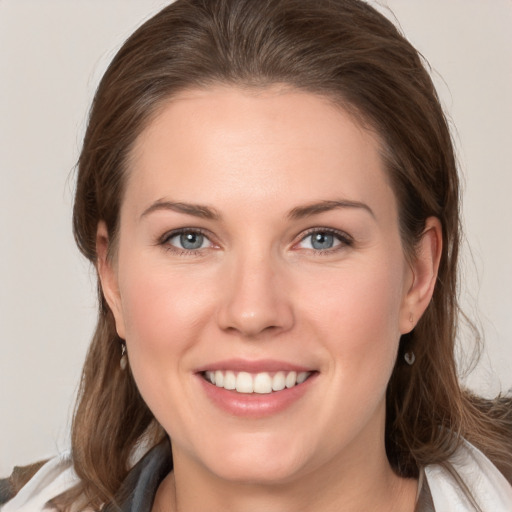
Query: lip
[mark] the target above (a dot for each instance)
(257, 366)
(254, 405)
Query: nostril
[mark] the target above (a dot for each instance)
(267, 319)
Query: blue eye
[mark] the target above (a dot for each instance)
(323, 240)
(188, 240)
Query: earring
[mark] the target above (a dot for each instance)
(411, 318)
(409, 357)
(124, 358)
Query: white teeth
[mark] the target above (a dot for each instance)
(229, 380)
(219, 379)
(302, 376)
(244, 383)
(261, 383)
(291, 379)
(279, 381)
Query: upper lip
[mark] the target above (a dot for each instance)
(253, 366)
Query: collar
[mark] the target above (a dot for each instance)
(137, 492)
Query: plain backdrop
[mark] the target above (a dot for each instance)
(52, 55)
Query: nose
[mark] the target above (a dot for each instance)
(255, 300)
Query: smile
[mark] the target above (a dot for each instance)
(255, 389)
(260, 383)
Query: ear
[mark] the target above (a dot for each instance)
(108, 277)
(423, 275)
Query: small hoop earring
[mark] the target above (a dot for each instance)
(123, 363)
(409, 357)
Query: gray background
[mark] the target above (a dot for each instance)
(52, 54)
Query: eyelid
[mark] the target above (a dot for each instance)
(345, 239)
(163, 240)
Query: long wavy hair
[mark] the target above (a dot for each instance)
(341, 49)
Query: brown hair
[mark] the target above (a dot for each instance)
(347, 51)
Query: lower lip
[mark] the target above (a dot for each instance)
(255, 405)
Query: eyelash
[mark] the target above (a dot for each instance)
(344, 239)
(164, 241)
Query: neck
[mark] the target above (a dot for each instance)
(356, 484)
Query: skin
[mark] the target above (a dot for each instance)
(258, 289)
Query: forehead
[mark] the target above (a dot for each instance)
(255, 144)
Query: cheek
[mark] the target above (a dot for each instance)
(160, 305)
(358, 312)
(164, 313)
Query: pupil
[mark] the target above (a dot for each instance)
(191, 240)
(322, 241)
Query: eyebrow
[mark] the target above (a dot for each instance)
(197, 210)
(300, 212)
(324, 206)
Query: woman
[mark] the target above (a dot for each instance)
(269, 194)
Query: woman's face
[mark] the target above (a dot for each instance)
(259, 248)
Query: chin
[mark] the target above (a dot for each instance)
(263, 461)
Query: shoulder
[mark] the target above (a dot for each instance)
(45, 481)
(31, 487)
(9, 487)
(468, 477)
